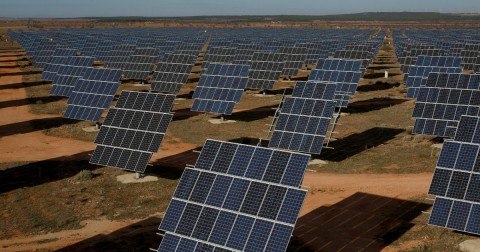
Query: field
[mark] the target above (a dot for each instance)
(369, 193)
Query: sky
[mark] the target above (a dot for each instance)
(91, 8)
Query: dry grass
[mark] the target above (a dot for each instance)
(61, 201)
(422, 237)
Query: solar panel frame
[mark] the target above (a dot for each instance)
(195, 216)
(305, 117)
(443, 100)
(220, 88)
(456, 181)
(133, 130)
(92, 94)
(265, 70)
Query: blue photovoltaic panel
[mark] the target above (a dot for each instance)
(265, 69)
(294, 59)
(441, 61)
(64, 80)
(133, 130)
(238, 197)
(173, 73)
(339, 64)
(443, 100)
(92, 94)
(456, 181)
(305, 117)
(418, 75)
(220, 88)
(347, 83)
(65, 52)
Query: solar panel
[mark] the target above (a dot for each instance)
(347, 83)
(443, 100)
(443, 61)
(137, 71)
(469, 55)
(364, 56)
(217, 55)
(170, 77)
(305, 117)
(63, 82)
(294, 59)
(418, 75)
(51, 69)
(133, 130)
(456, 181)
(476, 68)
(410, 57)
(237, 197)
(265, 69)
(92, 94)
(339, 64)
(220, 88)
(65, 52)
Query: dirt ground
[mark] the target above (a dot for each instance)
(356, 210)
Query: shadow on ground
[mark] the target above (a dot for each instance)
(23, 84)
(361, 222)
(372, 104)
(34, 125)
(251, 115)
(356, 143)
(41, 172)
(379, 85)
(26, 101)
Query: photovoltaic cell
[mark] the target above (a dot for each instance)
(92, 94)
(172, 74)
(346, 81)
(133, 130)
(265, 69)
(418, 77)
(456, 181)
(305, 117)
(216, 207)
(443, 100)
(220, 88)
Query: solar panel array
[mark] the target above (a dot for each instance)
(305, 117)
(443, 100)
(294, 59)
(469, 54)
(418, 75)
(456, 181)
(141, 63)
(64, 80)
(265, 70)
(220, 88)
(92, 94)
(173, 73)
(217, 55)
(133, 131)
(65, 74)
(237, 197)
(364, 56)
(476, 67)
(409, 58)
(345, 73)
(424, 65)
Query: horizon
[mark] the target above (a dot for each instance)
(269, 15)
(177, 8)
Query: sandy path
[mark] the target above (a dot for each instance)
(336, 188)
(333, 188)
(64, 238)
(18, 140)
